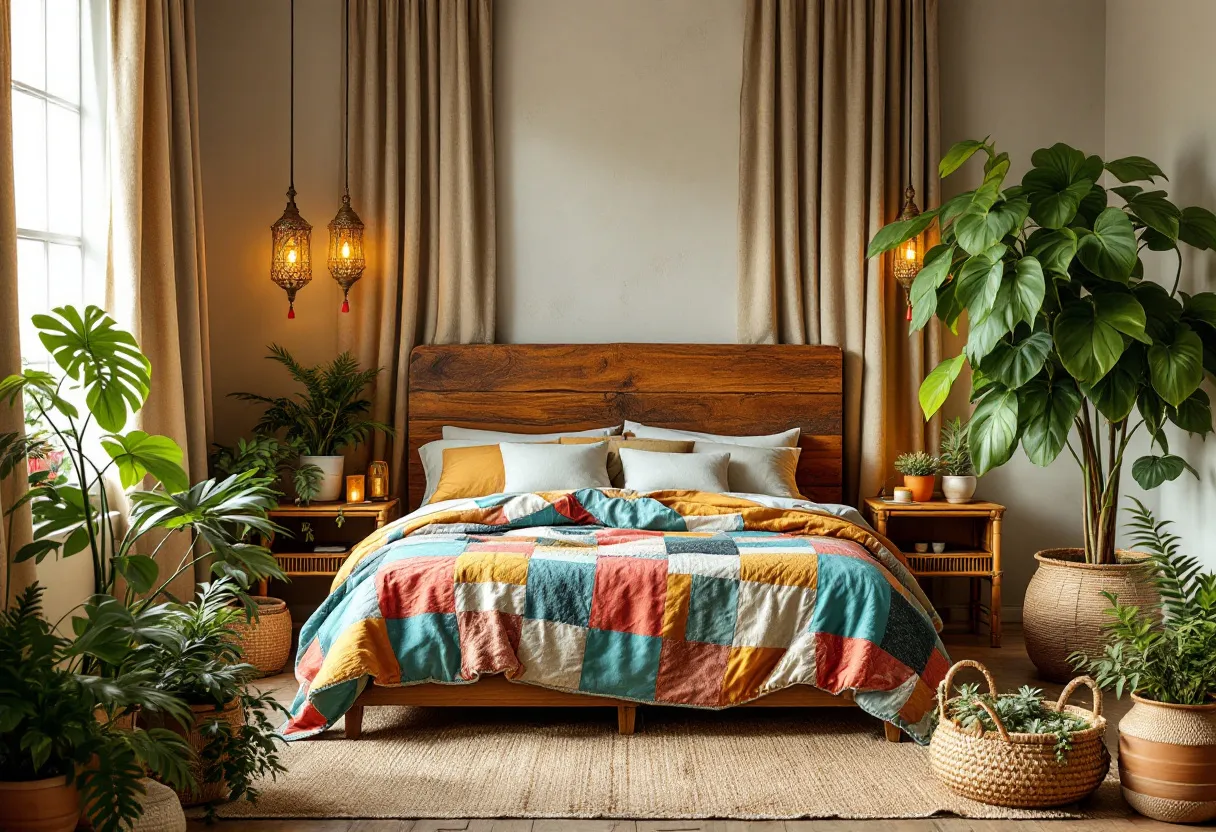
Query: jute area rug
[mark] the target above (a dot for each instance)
(532, 763)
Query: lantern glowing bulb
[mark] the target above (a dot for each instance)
(291, 255)
(346, 250)
(910, 252)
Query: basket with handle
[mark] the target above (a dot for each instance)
(1020, 770)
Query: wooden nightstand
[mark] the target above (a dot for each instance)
(972, 533)
(296, 555)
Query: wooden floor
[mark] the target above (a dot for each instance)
(1008, 664)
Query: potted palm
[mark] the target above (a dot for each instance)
(920, 474)
(1165, 657)
(958, 472)
(1068, 337)
(319, 422)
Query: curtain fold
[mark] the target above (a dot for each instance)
(422, 177)
(825, 125)
(14, 577)
(156, 270)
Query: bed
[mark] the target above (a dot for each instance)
(883, 654)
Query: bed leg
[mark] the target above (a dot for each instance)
(892, 732)
(626, 718)
(354, 722)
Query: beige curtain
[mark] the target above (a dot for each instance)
(824, 129)
(156, 280)
(422, 178)
(11, 419)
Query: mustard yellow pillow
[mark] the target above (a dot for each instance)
(616, 471)
(469, 472)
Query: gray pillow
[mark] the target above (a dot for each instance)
(654, 471)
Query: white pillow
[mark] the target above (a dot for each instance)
(758, 470)
(655, 471)
(432, 461)
(490, 436)
(531, 467)
(785, 439)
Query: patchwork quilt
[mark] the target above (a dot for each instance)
(677, 598)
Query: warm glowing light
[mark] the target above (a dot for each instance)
(354, 488)
(291, 255)
(346, 251)
(910, 252)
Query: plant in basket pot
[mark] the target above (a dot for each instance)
(328, 416)
(1165, 657)
(1071, 348)
(920, 474)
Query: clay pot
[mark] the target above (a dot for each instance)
(922, 487)
(1065, 610)
(959, 489)
(51, 805)
(1167, 760)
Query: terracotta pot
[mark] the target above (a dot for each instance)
(266, 642)
(51, 805)
(1167, 760)
(922, 487)
(233, 714)
(959, 489)
(1065, 610)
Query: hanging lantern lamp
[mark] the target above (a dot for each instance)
(346, 229)
(291, 236)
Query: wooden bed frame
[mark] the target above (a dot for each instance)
(542, 388)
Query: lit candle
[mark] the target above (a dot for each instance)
(354, 488)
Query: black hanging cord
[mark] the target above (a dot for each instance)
(346, 97)
(292, 121)
(908, 81)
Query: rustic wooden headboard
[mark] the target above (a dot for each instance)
(719, 388)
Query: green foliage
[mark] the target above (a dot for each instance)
(269, 458)
(1021, 713)
(328, 415)
(955, 454)
(49, 725)
(1166, 654)
(200, 662)
(1066, 334)
(917, 464)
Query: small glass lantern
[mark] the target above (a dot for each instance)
(377, 474)
(346, 249)
(291, 252)
(908, 255)
(354, 489)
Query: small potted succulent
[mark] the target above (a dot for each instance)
(1165, 657)
(958, 473)
(920, 473)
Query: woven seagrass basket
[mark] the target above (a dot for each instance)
(1019, 770)
(266, 641)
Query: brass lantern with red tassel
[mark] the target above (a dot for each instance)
(908, 255)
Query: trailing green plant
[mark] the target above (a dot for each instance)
(1166, 654)
(955, 455)
(1066, 334)
(201, 663)
(270, 459)
(1022, 712)
(48, 712)
(328, 415)
(917, 464)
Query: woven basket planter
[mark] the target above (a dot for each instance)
(1065, 610)
(234, 715)
(266, 641)
(162, 810)
(1019, 770)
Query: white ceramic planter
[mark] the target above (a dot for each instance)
(332, 468)
(958, 489)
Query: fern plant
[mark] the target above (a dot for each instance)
(955, 455)
(1022, 712)
(1166, 654)
(329, 415)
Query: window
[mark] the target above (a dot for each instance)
(59, 159)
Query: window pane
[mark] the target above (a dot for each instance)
(32, 297)
(29, 158)
(63, 49)
(63, 163)
(65, 276)
(29, 61)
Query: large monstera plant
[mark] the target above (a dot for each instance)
(1070, 347)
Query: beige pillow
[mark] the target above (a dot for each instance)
(785, 439)
(770, 471)
(616, 472)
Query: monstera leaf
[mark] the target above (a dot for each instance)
(1109, 250)
(993, 433)
(1047, 408)
(1060, 179)
(106, 360)
(138, 453)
